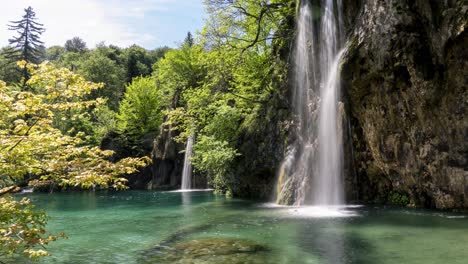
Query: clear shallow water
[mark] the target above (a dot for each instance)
(199, 227)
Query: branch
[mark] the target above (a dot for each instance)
(248, 99)
(25, 134)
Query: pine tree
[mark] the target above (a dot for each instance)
(189, 39)
(27, 45)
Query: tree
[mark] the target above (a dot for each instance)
(246, 24)
(9, 72)
(137, 62)
(189, 39)
(100, 69)
(32, 145)
(26, 46)
(140, 110)
(75, 44)
(55, 53)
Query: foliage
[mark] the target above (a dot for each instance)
(54, 53)
(9, 71)
(189, 39)
(75, 44)
(213, 157)
(27, 44)
(179, 70)
(101, 69)
(22, 229)
(218, 87)
(32, 146)
(246, 24)
(399, 199)
(137, 62)
(105, 121)
(140, 110)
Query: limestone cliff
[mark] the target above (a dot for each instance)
(405, 77)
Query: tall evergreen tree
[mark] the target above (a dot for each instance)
(189, 39)
(27, 45)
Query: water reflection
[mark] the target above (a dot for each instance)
(330, 243)
(186, 200)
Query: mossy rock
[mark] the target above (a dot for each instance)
(209, 250)
(399, 199)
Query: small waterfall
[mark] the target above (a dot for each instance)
(312, 172)
(187, 170)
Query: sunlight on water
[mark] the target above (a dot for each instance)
(315, 211)
(192, 190)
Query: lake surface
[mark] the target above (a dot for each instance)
(199, 227)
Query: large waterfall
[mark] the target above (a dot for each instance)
(312, 172)
(187, 170)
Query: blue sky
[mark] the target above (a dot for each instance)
(148, 23)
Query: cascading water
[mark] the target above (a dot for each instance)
(312, 172)
(187, 170)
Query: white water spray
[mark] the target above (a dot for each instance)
(187, 170)
(314, 165)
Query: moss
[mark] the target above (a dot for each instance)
(396, 198)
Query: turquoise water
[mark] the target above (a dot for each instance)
(199, 227)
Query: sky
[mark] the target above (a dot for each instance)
(147, 23)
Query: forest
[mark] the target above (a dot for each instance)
(334, 125)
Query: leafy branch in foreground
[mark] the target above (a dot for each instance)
(31, 144)
(22, 229)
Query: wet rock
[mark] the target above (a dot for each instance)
(405, 77)
(42, 186)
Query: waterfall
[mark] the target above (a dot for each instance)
(187, 170)
(312, 171)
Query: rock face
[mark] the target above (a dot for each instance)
(167, 162)
(164, 173)
(405, 76)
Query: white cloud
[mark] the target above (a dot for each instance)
(113, 21)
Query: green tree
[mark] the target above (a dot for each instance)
(137, 62)
(27, 45)
(140, 110)
(55, 54)
(159, 53)
(9, 72)
(189, 39)
(100, 69)
(247, 24)
(31, 145)
(179, 70)
(75, 44)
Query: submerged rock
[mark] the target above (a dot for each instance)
(209, 250)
